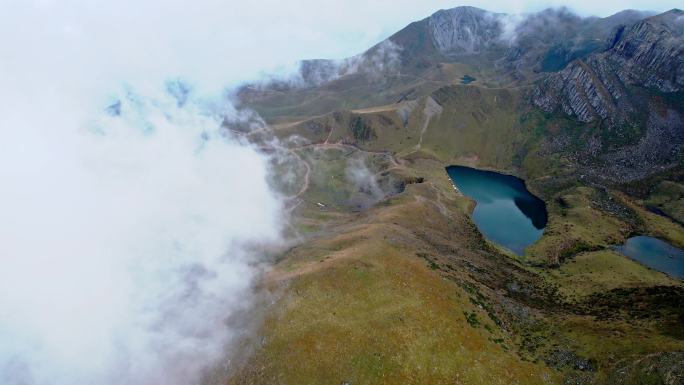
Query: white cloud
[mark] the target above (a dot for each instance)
(125, 243)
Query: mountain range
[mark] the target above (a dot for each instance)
(391, 281)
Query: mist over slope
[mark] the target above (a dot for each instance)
(128, 246)
(134, 223)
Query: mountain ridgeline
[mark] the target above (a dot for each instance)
(614, 85)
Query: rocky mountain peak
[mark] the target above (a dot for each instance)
(464, 30)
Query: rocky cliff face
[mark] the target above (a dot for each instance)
(649, 54)
(587, 90)
(464, 30)
(630, 97)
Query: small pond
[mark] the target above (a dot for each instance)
(506, 212)
(655, 254)
(467, 79)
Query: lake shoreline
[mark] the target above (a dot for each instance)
(506, 212)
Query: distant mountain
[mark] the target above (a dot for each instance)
(546, 40)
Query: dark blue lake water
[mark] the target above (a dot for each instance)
(656, 254)
(506, 213)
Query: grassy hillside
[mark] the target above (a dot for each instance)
(408, 291)
(393, 283)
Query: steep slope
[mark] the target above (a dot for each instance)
(464, 30)
(648, 54)
(631, 96)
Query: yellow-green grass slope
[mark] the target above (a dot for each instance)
(410, 292)
(363, 306)
(401, 294)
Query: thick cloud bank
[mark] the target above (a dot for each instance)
(126, 244)
(132, 223)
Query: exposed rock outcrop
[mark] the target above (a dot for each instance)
(660, 148)
(648, 54)
(622, 94)
(651, 53)
(464, 30)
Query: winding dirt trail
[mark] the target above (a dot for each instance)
(431, 109)
(307, 177)
(327, 139)
(325, 145)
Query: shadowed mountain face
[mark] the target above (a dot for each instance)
(630, 93)
(649, 54)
